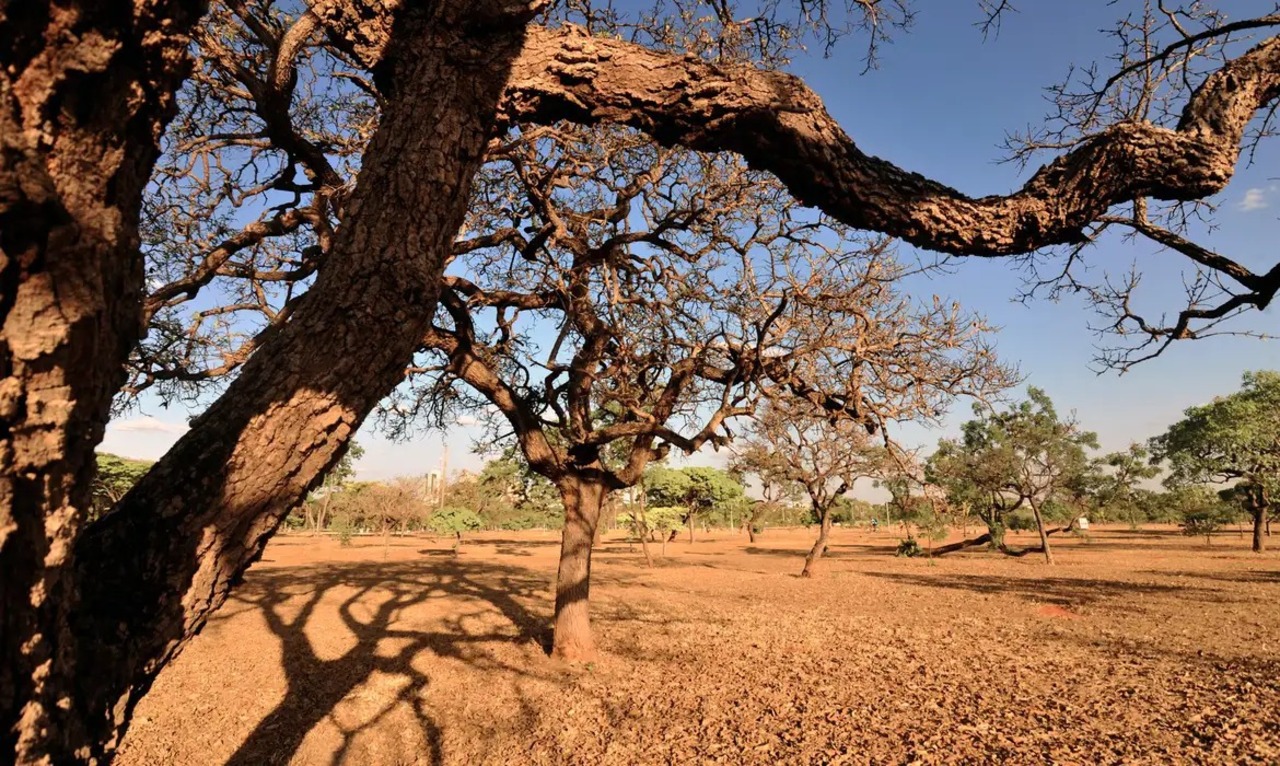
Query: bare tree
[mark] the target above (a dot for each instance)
(313, 376)
(793, 441)
(613, 300)
(754, 458)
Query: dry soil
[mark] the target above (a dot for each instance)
(1137, 647)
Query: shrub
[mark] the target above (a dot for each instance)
(909, 547)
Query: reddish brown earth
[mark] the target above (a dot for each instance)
(1138, 647)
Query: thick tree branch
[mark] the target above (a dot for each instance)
(778, 124)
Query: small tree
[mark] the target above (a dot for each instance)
(795, 442)
(1116, 482)
(452, 520)
(754, 458)
(1232, 438)
(316, 509)
(698, 489)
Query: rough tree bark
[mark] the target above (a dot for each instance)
(85, 92)
(154, 570)
(1259, 513)
(819, 546)
(778, 124)
(583, 499)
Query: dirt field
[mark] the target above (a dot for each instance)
(1138, 647)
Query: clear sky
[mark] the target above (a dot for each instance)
(940, 104)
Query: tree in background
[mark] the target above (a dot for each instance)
(613, 300)
(700, 490)
(315, 510)
(1116, 483)
(115, 476)
(799, 443)
(751, 458)
(452, 520)
(1025, 455)
(1232, 438)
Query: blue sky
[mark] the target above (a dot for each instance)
(941, 104)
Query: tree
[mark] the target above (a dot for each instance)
(1232, 438)
(1116, 485)
(452, 520)
(316, 510)
(1025, 455)
(697, 489)
(1167, 127)
(796, 442)
(114, 477)
(613, 300)
(753, 458)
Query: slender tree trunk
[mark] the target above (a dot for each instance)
(643, 533)
(582, 500)
(156, 568)
(1259, 528)
(819, 545)
(86, 89)
(1044, 536)
(322, 515)
(691, 529)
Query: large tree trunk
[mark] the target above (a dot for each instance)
(819, 545)
(155, 569)
(582, 500)
(85, 92)
(1044, 536)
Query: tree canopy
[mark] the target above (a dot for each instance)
(1234, 438)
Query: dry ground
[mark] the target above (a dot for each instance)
(1138, 647)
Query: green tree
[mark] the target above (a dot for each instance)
(318, 507)
(1115, 485)
(700, 490)
(452, 520)
(1233, 438)
(1024, 456)
(114, 477)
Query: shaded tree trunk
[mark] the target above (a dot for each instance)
(85, 92)
(156, 568)
(1044, 536)
(819, 545)
(1259, 513)
(582, 500)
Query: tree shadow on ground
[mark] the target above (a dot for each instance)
(371, 601)
(1059, 591)
(1268, 577)
(836, 552)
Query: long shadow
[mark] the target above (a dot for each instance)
(1060, 591)
(1271, 577)
(316, 686)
